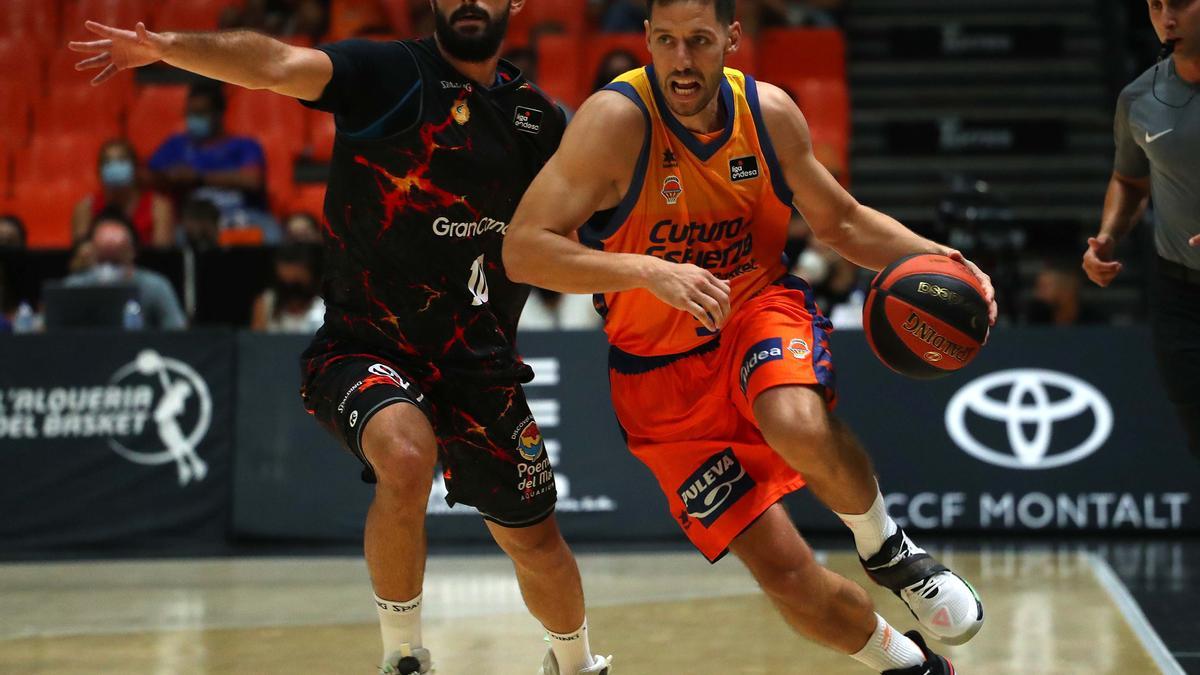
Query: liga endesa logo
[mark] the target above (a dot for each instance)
(1029, 410)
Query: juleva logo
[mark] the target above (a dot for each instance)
(1031, 404)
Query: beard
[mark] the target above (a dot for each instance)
(474, 47)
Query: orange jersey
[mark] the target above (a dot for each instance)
(718, 201)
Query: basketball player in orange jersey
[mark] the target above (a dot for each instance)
(686, 173)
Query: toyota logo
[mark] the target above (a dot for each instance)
(1029, 414)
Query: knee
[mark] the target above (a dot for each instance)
(808, 444)
(402, 463)
(797, 580)
(536, 544)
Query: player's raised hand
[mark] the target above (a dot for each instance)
(118, 49)
(1098, 260)
(693, 290)
(989, 292)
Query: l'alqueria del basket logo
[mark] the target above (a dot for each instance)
(154, 410)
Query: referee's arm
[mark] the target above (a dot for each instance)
(1128, 189)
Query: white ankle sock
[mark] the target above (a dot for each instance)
(888, 649)
(571, 650)
(399, 623)
(872, 528)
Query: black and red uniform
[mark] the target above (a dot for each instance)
(427, 171)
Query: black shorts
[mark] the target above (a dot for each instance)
(1175, 322)
(491, 452)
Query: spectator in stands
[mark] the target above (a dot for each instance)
(205, 162)
(615, 63)
(112, 248)
(302, 227)
(619, 16)
(293, 303)
(150, 212)
(201, 225)
(1056, 297)
(526, 60)
(12, 232)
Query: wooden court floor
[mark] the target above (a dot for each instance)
(1047, 613)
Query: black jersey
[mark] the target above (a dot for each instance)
(417, 212)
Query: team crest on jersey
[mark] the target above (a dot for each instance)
(530, 444)
(671, 189)
(461, 112)
(743, 168)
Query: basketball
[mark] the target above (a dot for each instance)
(925, 316)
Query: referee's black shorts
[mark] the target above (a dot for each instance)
(1175, 322)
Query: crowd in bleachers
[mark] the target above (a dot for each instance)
(189, 164)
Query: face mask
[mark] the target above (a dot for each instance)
(199, 126)
(117, 173)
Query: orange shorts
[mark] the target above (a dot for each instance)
(689, 417)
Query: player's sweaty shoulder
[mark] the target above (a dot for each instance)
(605, 136)
(785, 123)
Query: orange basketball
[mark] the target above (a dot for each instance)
(925, 316)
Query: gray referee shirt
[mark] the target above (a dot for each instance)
(1157, 129)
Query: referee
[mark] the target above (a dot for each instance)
(1157, 131)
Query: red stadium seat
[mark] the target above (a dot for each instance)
(5, 173)
(117, 13)
(745, 58)
(559, 61)
(60, 72)
(826, 105)
(258, 114)
(600, 46)
(14, 114)
(55, 158)
(793, 53)
(399, 16)
(157, 113)
(320, 139)
(540, 18)
(37, 19)
(21, 61)
(308, 198)
(46, 209)
(81, 108)
(189, 14)
(349, 17)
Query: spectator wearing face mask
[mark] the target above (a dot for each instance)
(108, 258)
(205, 162)
(302, 227)
(293, 303)
(200, 222)
(614, 64)
(150, 213)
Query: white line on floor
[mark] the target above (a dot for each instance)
(1134, 616)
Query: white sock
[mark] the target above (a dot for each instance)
(399, 623)
(872, 528)
(571, 650)
(888, 649)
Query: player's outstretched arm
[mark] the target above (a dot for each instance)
(860, 234)
(591, 172)
(1123, 203)
(244, 58)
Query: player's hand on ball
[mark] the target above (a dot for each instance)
(1098, 260)
(693, 290)
(119, 50)
(989, 293)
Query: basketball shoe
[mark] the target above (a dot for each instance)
(944, 604)
(934, 663)
(602, 665)
(407, 661)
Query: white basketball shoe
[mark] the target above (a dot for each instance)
(946, 606)
(601, 665)
(407, 661)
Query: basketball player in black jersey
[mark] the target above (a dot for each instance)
(437, 141)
